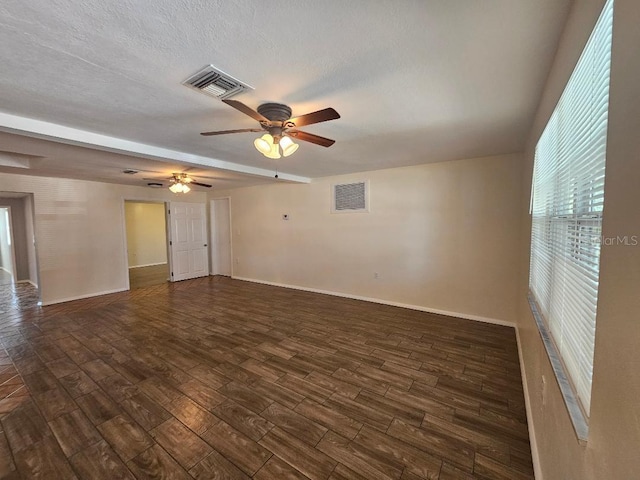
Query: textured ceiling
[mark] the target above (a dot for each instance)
(415, 81)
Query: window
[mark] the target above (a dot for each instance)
(566, 208)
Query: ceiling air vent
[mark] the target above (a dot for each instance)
(216, 83)
(350, 197)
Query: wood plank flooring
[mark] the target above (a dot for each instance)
(17, 297)
(148, 276)
(218, 378)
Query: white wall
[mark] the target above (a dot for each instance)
(80, 232)
(220, 237)
(30, 240)
(440, 236)
(613, 447)
(146, 233)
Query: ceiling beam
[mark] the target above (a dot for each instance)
(73, 136)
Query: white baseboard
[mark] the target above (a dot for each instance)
(147, 265)
(28, 281)
(535, 457)
(8, 271)
(81, 297)
(420, 308)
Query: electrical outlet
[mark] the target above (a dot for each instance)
(376, 275)
(237, 260)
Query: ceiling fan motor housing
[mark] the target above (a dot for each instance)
(276, 112)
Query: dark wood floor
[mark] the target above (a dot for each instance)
(148, 276)
(216, 378)
(16, 297)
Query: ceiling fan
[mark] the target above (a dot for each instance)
(275, 119)
(180, 182)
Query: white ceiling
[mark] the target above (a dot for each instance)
(414, 81)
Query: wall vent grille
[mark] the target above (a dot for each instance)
(350, 197)
(215, 83)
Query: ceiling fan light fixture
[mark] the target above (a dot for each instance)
(267, 146)
(274, 153)
(288, 146)
(264, 144)
(179, 187)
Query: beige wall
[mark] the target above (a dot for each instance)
(80, 232)
(440, 236)
(613, 447)
(146, 233)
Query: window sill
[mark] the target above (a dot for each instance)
(578, 419)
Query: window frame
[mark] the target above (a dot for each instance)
(567, 221)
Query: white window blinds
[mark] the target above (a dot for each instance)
(567, 202)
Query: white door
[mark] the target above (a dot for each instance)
(188, 243)
(221, 236)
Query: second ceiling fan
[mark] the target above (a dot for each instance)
(275, 119)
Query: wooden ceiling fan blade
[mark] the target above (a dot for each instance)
(241, 107)
(310, 137)
(224, 132)
(315, 117)
(200, 184)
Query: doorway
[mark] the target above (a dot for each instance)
(7, 254)
(19, 278)
(221, 237)
(146, 230)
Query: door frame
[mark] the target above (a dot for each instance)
(212, 221)
(124, 232)
(11, 238)
(32, 242)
